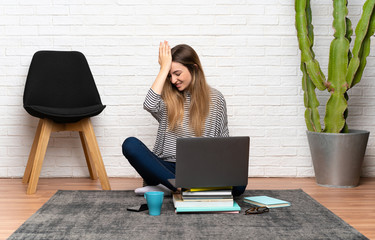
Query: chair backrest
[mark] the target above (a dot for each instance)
(60, 79)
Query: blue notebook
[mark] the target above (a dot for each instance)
(265, 201)
(234, 208)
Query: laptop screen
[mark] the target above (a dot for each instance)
(212, 162)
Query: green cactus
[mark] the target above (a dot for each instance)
(312, 116)
(345, 68)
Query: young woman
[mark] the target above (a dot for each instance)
(185, 106)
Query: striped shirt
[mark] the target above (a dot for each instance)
(216, 124)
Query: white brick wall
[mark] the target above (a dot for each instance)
(248, 49)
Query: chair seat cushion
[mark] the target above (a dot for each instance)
(64, 115)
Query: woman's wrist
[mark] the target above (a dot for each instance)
(165, 69)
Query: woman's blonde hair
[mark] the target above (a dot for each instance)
(198, 88)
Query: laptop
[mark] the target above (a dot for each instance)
(211, 162)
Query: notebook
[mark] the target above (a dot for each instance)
(230, 209)
(211, 162)
(265, 201)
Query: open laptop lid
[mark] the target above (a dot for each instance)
(212, 162)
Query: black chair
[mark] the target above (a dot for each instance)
(61, 91)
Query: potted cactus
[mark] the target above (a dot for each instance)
(337, 151)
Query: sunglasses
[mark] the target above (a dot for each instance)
(257, 210)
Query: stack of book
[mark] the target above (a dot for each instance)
(205, 200)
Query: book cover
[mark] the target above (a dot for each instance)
(265, 201)
(234, 208)
(207, 198)
(210, 197)
(226, 192)
(208, 189)
(178, 201)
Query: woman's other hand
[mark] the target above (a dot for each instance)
(165, 56)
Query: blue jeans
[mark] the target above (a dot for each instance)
(153, 169)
